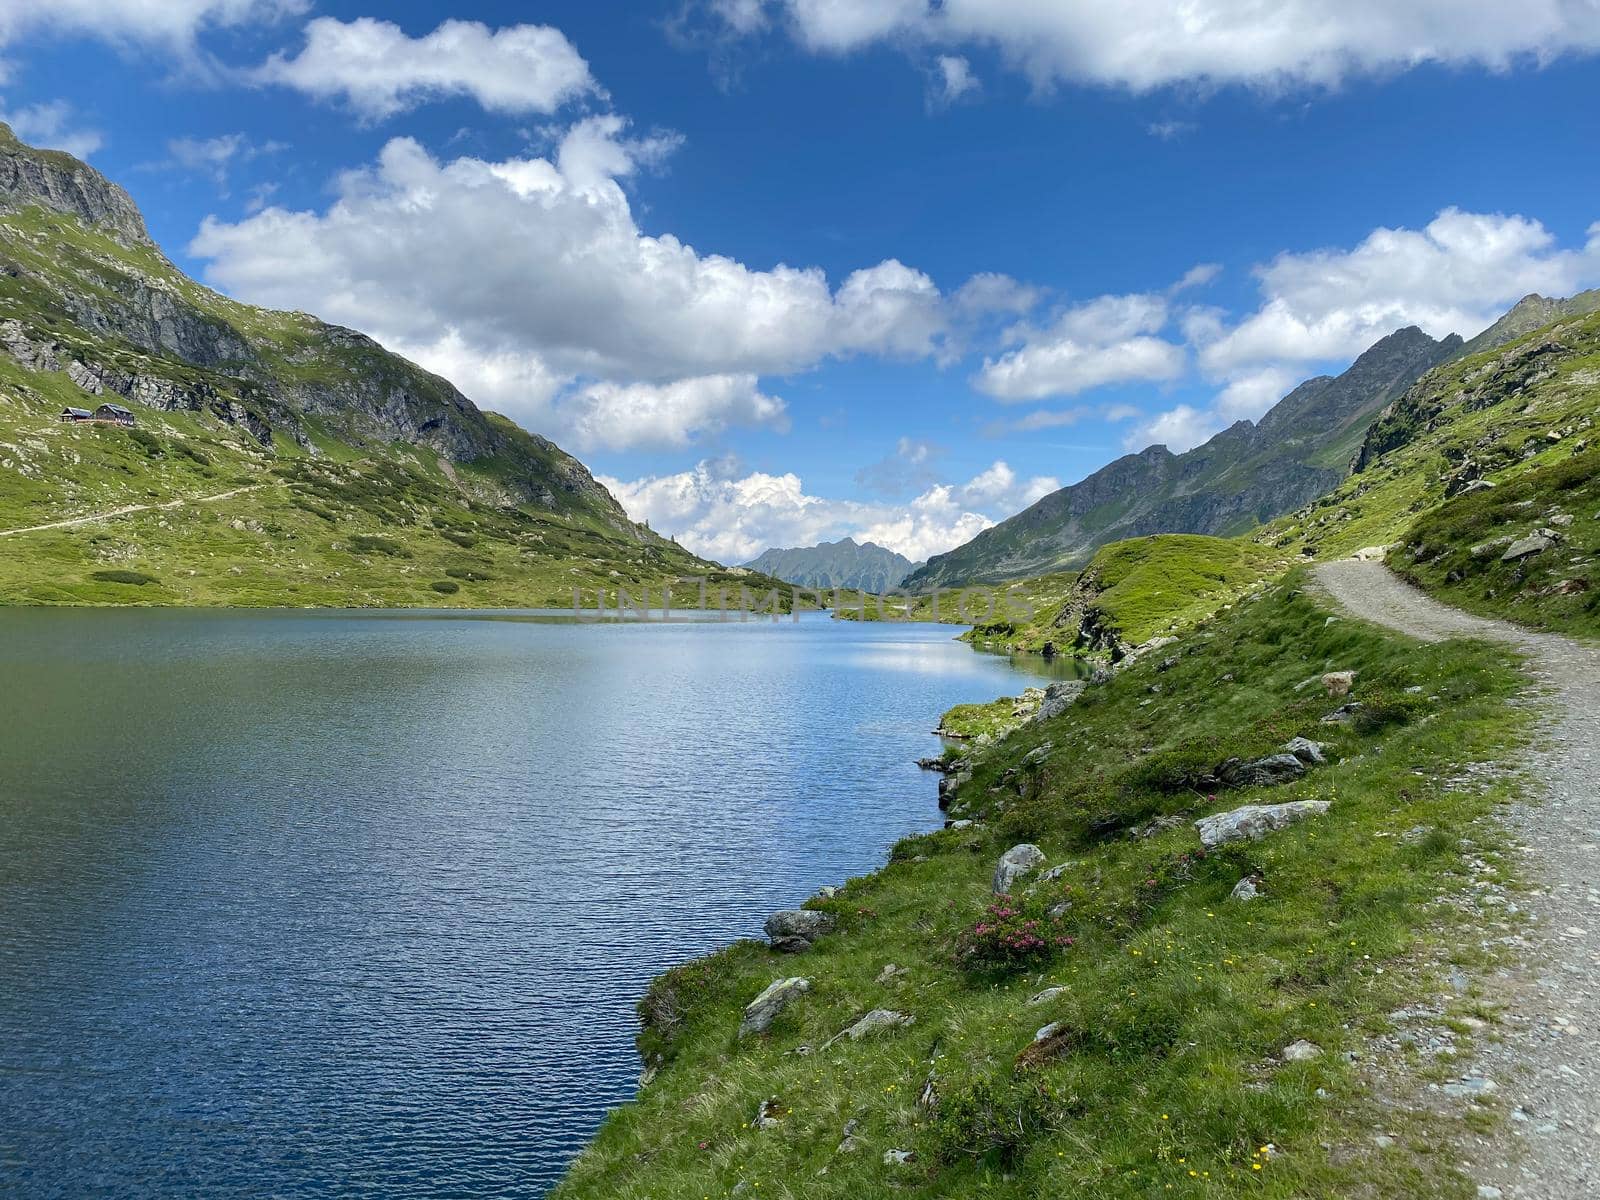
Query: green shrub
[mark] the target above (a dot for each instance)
(470, 574)
(464, 540)
(446, 587)
(146, 440)
(990, 1117)
(135, 578)
(364, 543)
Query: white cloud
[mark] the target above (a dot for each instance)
(1453, 276)
(172, 23)
(1179, 429)
(53, 125)
(1250, 395)
(1147, 44)
(624, 416)
(528, 279)
(1107, 340)
(380, 71)
(1323, 308)
(719, 513)
(950, 80)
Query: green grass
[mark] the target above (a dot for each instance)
(379, 529)
(1176, 1000)
(1495, 409)
(1556, 589)
(1136, 590)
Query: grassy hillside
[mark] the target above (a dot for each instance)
(1161, 1073)
(1491, 415)
(1136, 590)
(1458, 551)
(345, 528)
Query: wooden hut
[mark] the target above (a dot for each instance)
(114, 413)
(76, 414)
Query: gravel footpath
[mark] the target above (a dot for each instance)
(1547, 1067)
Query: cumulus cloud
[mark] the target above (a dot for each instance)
(1452, 276)
(55, 126)
(379, 71)
(910, 468)
(722, 514)
(1107, 340)
(173, 24)
(1146, 44)
(1178, 429)
(532, 273)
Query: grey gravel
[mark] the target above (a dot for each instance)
(1547, 1060)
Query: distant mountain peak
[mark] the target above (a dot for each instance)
(863, 566)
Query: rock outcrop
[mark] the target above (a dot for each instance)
(1014, 864)
(794, 929)
(764, 1009)
(1254, 821)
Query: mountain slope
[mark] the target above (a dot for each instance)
(863, 566)
(341, 438)
(1477, 456)
(1530, 313)
(1246, 475)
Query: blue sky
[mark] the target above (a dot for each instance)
(782, 270)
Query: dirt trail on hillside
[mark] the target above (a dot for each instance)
(1547, 1068)
(130, 509)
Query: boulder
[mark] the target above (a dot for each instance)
(1261, 772)
(764, 1009)
(1049, 994)
(1254, 821)
(1309, 752)
(1344, 714)
(794, 929)
(1038, 754)
(1536, 542)
(769, 1113)
(1014, 864)
(899, 1158)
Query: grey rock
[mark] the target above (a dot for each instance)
(1309, 752)
(795, 929)
(1535, 543)
(1014, 864)
(1049, 994)
(764, 1009)
(899, 1158)
(1490, 548)
(1301, 1051)
(1254, 821)
(1270, 771)
(1245, 890)
(877, 1020)
(1058, 697)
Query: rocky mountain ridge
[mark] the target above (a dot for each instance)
(1244, 476)
(857, 566)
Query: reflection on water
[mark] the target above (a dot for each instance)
(313, 904)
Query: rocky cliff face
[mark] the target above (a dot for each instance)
(1245, 476)
(1530, 313)
(93, 297)
(60, 182)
